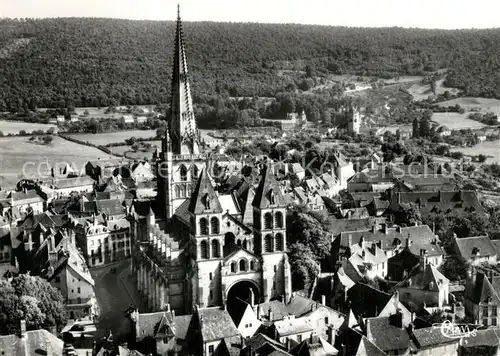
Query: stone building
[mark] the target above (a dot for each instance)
(215, 247)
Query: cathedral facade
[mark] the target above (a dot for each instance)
(215, 246)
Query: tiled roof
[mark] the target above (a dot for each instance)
(428, 337)
(487, 337)
(422, 279)
(182, 325)
(367, 301)
(292, 325)
(204, 198)
(391, 237)
(278, 309)
(110, 207)
(467, 244)
(440, 201)
(31, 196)
(318, 347)
(387, 336)
(216, 324)
(342, 225)
(71, 182)
(368, 348)
(481, 290)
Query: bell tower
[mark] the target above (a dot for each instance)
(269, 218)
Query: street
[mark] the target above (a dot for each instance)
(115, 292)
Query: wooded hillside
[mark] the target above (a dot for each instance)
(99, 62)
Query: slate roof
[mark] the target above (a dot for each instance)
(153, 324)
(31, 196)
(440, 201)
(418, 234)
(290, 326)
(482, 290)
(368, 348)
(367, 301)
(422, 279)
(182, 325)
(268, 185)
(259, 339)
(466, 245)
(36, 342)
(318, 347)
(385, 335)
(278, 308)
(429, 337)
(70, 182)
(216, 324)
(110, 207)
(342, 225)
(204, 196)
(486, 337)
(239, 309)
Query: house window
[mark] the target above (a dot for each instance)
(326, 320)
(485, 322)
(494, 321)
(299, 338)
(494, 311)
(210, 275)
(485, 311)
(233, 267)
(211, 349)
(78, 290)
(275, 268)
(211, 295)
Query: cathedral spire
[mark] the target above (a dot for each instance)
(182, 123)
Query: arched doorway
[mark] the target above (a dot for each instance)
(242, 290)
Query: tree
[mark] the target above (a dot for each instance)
(32, 299)
(481, 158)
(47, 139)
(454, 268)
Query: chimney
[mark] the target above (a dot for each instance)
(386, 228)
(374, 228)
(270, 315)
(350, 240)
(259, 311)
(323, 299)
(408, 242)
(23, 327)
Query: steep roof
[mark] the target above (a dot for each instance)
(204, 198)
(216, 324)
(467, 244)
(387, 336)
(423, 279)
(367, 301)
(154, 324)
(481, 290)
(268, 190)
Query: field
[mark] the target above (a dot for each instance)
(136, 155)
(13, 127)
(113, 137)
(475, 104)
(456, 121)
(17, 152)
(421, 91)
(491, 149)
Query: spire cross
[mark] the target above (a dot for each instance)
(178, 11)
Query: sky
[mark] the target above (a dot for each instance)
(447, 14)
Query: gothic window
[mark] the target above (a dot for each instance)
(268, 243)
(214, 225)
(183, 191)
(252, 265)
(204, 249)
(215, 249)
(233, 267)
(279, 242)
(194, 172)
(203, 226)
(177, 191)
(184, 172)
(278, 219)
(243, 265)
(268, 221)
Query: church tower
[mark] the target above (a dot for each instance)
(180, 160)
(353, 120)
(269, 220)
(206, 243)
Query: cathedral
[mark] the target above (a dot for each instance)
(205, 247)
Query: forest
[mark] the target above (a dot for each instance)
(100, 62)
